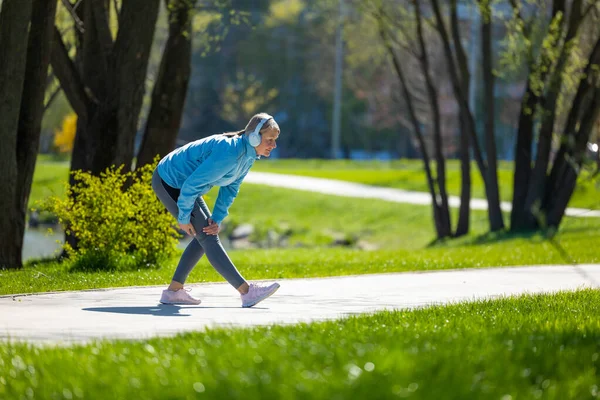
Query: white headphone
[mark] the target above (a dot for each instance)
(254, 137)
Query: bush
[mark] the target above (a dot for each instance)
(65, 137)
(117, 219)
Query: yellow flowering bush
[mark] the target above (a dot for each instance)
(118, 220)
(65, 137)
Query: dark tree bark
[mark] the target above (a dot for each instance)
(170, 89)
(522, 171)
(32, 105)
(466, 115)
(15, 16)
(464, 213)
(491, 188)
(568, 177)
(105, 82)
(107, 90)
(445, 222)
(533, 202)
(462, 226)
(580, 121)
(132, 51)
(461, 97)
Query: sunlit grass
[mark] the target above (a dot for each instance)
(49, 179)
(399, 232)
(543, 346)
(577, 243)
(410, 175)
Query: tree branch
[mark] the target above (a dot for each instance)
(526, 25)
(589, 9)
(52, 97)
(71, 9)
(67, 75)
(461, 57)
(102, 28)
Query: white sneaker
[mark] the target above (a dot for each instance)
(180, 296)
(257, 293)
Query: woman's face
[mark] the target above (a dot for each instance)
(268, 143)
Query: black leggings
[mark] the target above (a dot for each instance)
(209, 244)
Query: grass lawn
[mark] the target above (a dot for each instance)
(409, 175)
(49, 178)
(576, 243)
(400, 232)
(528, 347)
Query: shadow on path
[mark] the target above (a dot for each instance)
(161, 310)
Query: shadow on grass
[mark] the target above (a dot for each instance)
(534, 236)
(42, 262)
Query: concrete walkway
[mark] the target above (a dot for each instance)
(350, 189)
(134, 313)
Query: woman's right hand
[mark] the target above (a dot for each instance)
(188, 228)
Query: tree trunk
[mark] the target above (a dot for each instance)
(32, 104)
(417, 129)
(461, 97)
(465, 112)
(583, 114)
(170, 89)
(15, 16)
(107, 90)
(446, 225)
(491, 189)
(539, 177)
(464, 212)
(462, 227)
(137, 22)
(522, 171)
(568, 179)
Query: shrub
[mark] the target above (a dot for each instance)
(65, 137)
(117, 219)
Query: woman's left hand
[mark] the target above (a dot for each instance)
(212, 228)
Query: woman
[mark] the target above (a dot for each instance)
(189, 172)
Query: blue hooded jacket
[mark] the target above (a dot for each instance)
(195, 168)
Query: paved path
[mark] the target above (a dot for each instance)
(350, 189)
(134, 313)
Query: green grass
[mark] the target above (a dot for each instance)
(409, 175)
(577, 243)
(400, 232)
(543, 346)
(49, 179)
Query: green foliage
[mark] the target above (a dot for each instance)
(117, 219)
(211, 25)
(284, 12)
(522, 42)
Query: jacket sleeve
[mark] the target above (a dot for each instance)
(215, 166)
(227, 195)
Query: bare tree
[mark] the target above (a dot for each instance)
(466, 115)
(440, 161)
(437, 186)
(492, 189)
